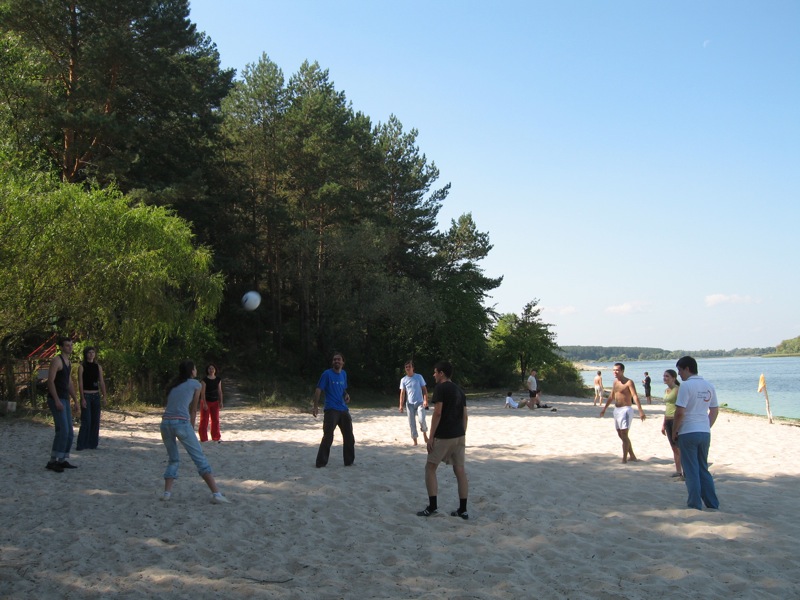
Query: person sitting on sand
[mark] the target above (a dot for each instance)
(511, 403)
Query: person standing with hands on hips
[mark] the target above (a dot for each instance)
(415, 393)
(333, 382)
(92, 388)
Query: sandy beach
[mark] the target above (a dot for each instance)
(554, 513)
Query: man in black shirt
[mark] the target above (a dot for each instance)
(446, 442)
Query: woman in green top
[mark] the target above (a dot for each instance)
(670, 396)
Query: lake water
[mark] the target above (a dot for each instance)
(735, 379)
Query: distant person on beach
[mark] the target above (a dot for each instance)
(92, 388)
(598, 388)
(447, 442)
(646, 382)
(333, 383)
(667, 428)
(414, 393)
(533, 390)
(59, 391)
(623, 394)
(696, 410)
(211, 401)
(177, 425)
(511, 403)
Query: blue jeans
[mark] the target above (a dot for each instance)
(694, 462)
(416, 412)
(174, 430)
(89, 433)
(62, 441)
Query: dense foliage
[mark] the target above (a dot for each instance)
(86, 263)
(111, 112)
(791, 346)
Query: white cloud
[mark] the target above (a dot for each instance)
(626, 308)
(713, 300)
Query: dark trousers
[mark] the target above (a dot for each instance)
(330, 420)
(89, 433)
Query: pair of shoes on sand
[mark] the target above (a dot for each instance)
(428, 511)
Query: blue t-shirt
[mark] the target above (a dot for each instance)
(333, 384)
(180, 398)
(413, 386)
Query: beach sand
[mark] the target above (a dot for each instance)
(554, 514)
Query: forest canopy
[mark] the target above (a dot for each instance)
(151, 188)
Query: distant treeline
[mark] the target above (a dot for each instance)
(621, 353)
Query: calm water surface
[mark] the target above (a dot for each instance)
(735, 379)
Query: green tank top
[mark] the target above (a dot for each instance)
(669, 402)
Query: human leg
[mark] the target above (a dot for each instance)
(676, 453)
(82, 441)
(411, 412)
(213, 413)
(708, 492)
(348, 439)
(171, 445)
(202, 430)
(185, 434)
(329, 419)
(689, 448)
(423, 426)
(95, 402)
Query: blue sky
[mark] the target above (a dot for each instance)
(635, 163)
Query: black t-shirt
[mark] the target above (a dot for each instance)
(454, 401)
(212, 389)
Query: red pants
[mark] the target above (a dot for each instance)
(211, 410)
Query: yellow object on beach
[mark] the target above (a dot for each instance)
(762, 383)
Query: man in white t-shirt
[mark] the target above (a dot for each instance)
(695, 413)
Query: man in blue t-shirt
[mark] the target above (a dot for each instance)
(333, 382)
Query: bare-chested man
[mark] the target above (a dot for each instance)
(598, 388)
(623, 393)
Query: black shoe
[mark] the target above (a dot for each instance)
(65, 465)
(426, 512)
(463, 515)
(54, 466)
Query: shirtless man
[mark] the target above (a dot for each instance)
(598, 388)
(623, 393)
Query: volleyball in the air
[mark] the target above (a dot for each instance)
(251, 300)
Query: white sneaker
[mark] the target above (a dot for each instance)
(219, 499)
(165, 497)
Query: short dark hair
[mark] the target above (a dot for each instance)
(445, 367)
(621, 366)
(209, 365)
(337, 353)
(409, 362)
(63, 340)
(687, 362)
(87, 350)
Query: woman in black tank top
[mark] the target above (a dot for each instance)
(210, 405)
(92, 388)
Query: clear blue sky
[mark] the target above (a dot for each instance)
(635, 163)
